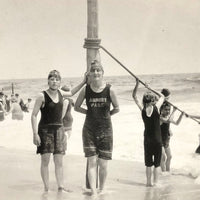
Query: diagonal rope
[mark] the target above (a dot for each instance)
(142, 81)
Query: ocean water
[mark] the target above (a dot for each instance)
(184, 87)
(127, 124)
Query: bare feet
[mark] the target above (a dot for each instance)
(101, 191)
(166, 173)
(156, 184)
(149, 184)
(94, 195)
(62, 189)
(45, 191)
(45, 194)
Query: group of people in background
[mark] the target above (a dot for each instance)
(55, 125)
(15, 105)
(157, 116)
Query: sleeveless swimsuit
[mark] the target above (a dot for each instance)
(97, 131)
(50, 128)
(152, 138)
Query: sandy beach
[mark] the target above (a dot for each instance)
(20, 166)
(20, 179)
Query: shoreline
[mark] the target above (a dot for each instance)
(20, 179)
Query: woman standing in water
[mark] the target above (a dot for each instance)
(49, 136)
(152, 133)
(166, 118)
(97, 130)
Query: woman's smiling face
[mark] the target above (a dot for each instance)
(96, 71)
(54, 83)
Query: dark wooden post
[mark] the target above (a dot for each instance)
(12, 88)
(92, 44)
(92, 41)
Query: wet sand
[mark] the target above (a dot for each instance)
(20, 179)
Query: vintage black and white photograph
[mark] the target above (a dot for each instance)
(100, 99)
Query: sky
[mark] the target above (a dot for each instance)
(147, 36)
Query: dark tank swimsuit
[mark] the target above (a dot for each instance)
(51, 113)
(50, 127)
(97, 130)
(165, 134)
(152, 138)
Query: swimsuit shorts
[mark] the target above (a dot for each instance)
(98, 143)
(67, 123)
(165, 142)
(53, 140)
(152, 154)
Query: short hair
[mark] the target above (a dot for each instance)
(165, 105)
(148, 97)
(55, 74)
(96, 63)
(165, 92)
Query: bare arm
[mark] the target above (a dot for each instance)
(170, 118)
(114, 103)
(79, 102)
(65, 105)
(38, 103)
(2, 107)
(134, 95)
(177, 122)
(160, 101)
(75, 89)
(149, 109)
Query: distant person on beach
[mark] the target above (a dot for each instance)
(20, 101)
(48, 136)
(2, 107)
(66, 114)
(97, 131)
(17, 113)
(12, 96)
(27, 105)
(7, 103)
(152, 132)
(166, 117)
(17, 99)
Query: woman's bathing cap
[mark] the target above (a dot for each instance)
(55, 74)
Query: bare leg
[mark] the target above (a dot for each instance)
(148, 175)
(58, 160)
(44, 170)
(92, 166)
(102, 172)
(163, 160)
(169, 157)
(156, 174)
